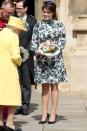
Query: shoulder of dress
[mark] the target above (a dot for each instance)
(38, 24)
(58, 23)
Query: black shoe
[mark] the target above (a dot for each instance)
(25, 111)
(45, 121)
(1, 128)
(19, 110)
(10, 129)
(52, 122)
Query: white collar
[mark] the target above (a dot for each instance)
(24, 18)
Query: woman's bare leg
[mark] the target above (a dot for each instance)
(10, 118)
(45, 100)
(54, 101)
(1, 115)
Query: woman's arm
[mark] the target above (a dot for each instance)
(62, 36)
(35, 39)
(15, 50)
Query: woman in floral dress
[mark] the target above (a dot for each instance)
(49, 71)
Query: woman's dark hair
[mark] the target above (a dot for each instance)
(51, 6)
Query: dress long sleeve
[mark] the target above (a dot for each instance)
(62, 36)
(35, 39)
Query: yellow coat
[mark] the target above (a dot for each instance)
(10, 93)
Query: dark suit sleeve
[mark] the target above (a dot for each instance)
(32, 21)
(25, 37)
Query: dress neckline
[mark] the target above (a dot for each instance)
(48, 21)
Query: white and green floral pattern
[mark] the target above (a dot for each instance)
(49, 70)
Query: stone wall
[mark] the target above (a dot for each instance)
(77, 7)
(73, 13)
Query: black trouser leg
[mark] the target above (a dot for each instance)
(25, 84)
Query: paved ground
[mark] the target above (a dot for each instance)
(72, 114)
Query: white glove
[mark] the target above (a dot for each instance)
(25, 54)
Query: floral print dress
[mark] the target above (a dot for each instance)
(49, 69)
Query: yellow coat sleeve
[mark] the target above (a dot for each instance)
(15, 50)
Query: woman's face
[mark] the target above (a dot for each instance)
(47, 14)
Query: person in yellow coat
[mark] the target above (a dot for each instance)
(10, 93)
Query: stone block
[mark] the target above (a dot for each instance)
(79, 73)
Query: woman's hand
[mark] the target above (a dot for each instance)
(24, 54)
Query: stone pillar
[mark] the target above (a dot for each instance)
(38, 9)
(62, 10)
